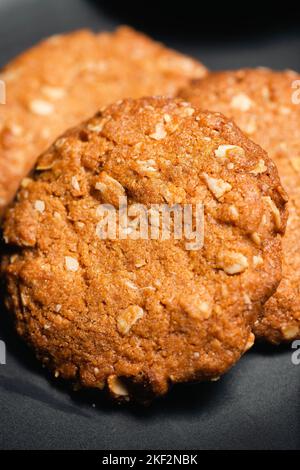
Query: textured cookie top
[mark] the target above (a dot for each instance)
(266, 105)
(144, 312)
(66, 79)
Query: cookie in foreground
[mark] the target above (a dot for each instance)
(66, 79)
(134, 315)
(264, 104)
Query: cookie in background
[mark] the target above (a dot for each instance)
(265, 104)
(66, 79)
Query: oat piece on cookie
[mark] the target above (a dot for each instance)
(264, 104)
(66, 79)
(135, 316)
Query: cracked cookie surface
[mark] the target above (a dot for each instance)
(261, 103)
(66, 79)
(135, 316)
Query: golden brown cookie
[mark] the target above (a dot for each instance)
(137, 315)
(264, 104)
(66, 79)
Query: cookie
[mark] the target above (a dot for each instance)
(128, 313)
(66, 79)
(264, 104)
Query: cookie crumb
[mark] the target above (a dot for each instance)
(232, 262)
(255, 238)
(160, 132)
(41, 107)
(257, 261)
(290, 332)
(95, 127)
(54, 93)
(26, 182)
(71, 264)
(227, 150)
(147, 166)
(242, 102)
(247, 300)
(75, 184)
(260, 168)
(39, 206)
(234, 212)
(130, 284)
(109, 187)
(274, 210)
(116, 386)
(199, 310)
(128, 318)
(140, 263)
(217, 186)
(250, 342)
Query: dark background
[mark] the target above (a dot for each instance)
(256, 405)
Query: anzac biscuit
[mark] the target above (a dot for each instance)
(264, 104)
(66, 79)
(136, 315)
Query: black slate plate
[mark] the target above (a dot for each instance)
(256, 406)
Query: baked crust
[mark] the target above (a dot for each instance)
(136, 316)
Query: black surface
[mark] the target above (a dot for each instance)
(255, 406)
